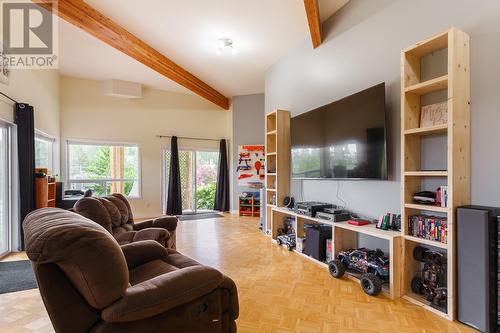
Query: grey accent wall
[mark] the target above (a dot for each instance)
(248, 129)
(362, 47)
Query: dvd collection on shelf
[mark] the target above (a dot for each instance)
(434, 228)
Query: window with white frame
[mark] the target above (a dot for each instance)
(5, 188)
(44, 151)
(103, 167)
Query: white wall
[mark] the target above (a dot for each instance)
(248, 129)
(39, 88)
(362, 48)
(87, 114)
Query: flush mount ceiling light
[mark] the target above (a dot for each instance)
(225, 44)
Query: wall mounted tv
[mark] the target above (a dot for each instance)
(342, 140)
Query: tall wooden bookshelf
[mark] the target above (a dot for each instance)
(278, 156)
(454, 84)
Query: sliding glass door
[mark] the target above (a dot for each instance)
(198, 169)
(4, 190)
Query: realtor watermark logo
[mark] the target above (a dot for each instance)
(29, 36)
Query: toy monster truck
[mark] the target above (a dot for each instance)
(287, 240)
(431, 280)
(286, 235)
(373, 266)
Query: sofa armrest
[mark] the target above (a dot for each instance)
(157, 234)
(142, 225)
(167, 222)
(162, 293)
(139, 253)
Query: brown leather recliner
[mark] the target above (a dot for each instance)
(89, 284)
(114, 213)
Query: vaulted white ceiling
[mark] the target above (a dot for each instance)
(187, 32)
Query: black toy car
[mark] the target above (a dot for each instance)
(431, 281)
(373, 266)
(286, 235)
(287, 240)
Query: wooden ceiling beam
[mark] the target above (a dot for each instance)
(82, 15)
(313, 19)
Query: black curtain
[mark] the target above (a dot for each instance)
(174, 198)
(24, 119)
(222, 191)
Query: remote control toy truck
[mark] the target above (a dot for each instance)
(372, 265)
(431, 280)
(286, 235)
(287, 240)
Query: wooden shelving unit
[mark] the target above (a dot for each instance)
(45, 193)
(249, 205)
(345, 236)
(278, 156)
(456, 84)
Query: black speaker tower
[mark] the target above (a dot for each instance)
(477, 267)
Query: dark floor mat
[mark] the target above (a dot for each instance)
(190, 217)
(16, 276)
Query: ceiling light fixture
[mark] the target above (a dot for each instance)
(225, 44)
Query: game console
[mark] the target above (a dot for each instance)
(311, 208)
(425, 197)
(334, 210)
(340, 216)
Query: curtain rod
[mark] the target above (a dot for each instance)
(7, 96)
(186, 138)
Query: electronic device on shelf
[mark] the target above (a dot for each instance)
(358, 222)
(288, 202)
(425, 197)
(340, 216)
(310, 208)
(334, 210)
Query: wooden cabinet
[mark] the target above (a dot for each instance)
(45, 192)
(249, 204)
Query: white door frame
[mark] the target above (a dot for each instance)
(9, 188)
(164, 192)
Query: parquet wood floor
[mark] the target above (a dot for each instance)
(279, 291)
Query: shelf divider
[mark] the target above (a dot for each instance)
(427, 242)
(426, 87)
(427, 208)
(427, 130)
(426, 173)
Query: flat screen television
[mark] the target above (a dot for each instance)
(345, 139)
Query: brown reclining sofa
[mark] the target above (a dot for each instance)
(114, 213)
(89, 283)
